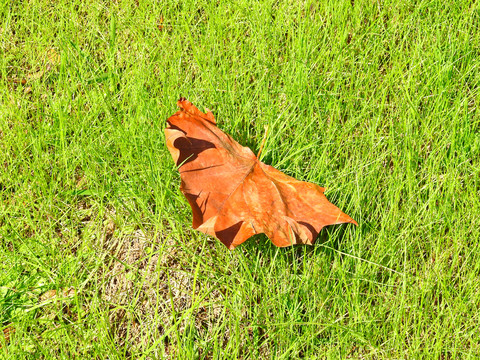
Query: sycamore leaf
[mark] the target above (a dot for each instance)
(233, 195)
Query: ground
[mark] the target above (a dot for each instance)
(376, 101)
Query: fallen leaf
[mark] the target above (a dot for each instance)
(7, 333)
(50, 294)
(233, 195)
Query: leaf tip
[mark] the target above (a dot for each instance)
(182, 102)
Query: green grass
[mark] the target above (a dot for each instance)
(377, 101)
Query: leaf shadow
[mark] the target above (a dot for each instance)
(329, 243)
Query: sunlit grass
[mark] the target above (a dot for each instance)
(378, 102)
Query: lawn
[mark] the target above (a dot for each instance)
(378, 101)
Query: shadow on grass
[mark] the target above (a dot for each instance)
(333, 243)
(333, 235)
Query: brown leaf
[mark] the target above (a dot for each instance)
(7, 333)
(233, 195)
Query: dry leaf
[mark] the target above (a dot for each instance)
(233, 195)
(50, 294)
(7, 333)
